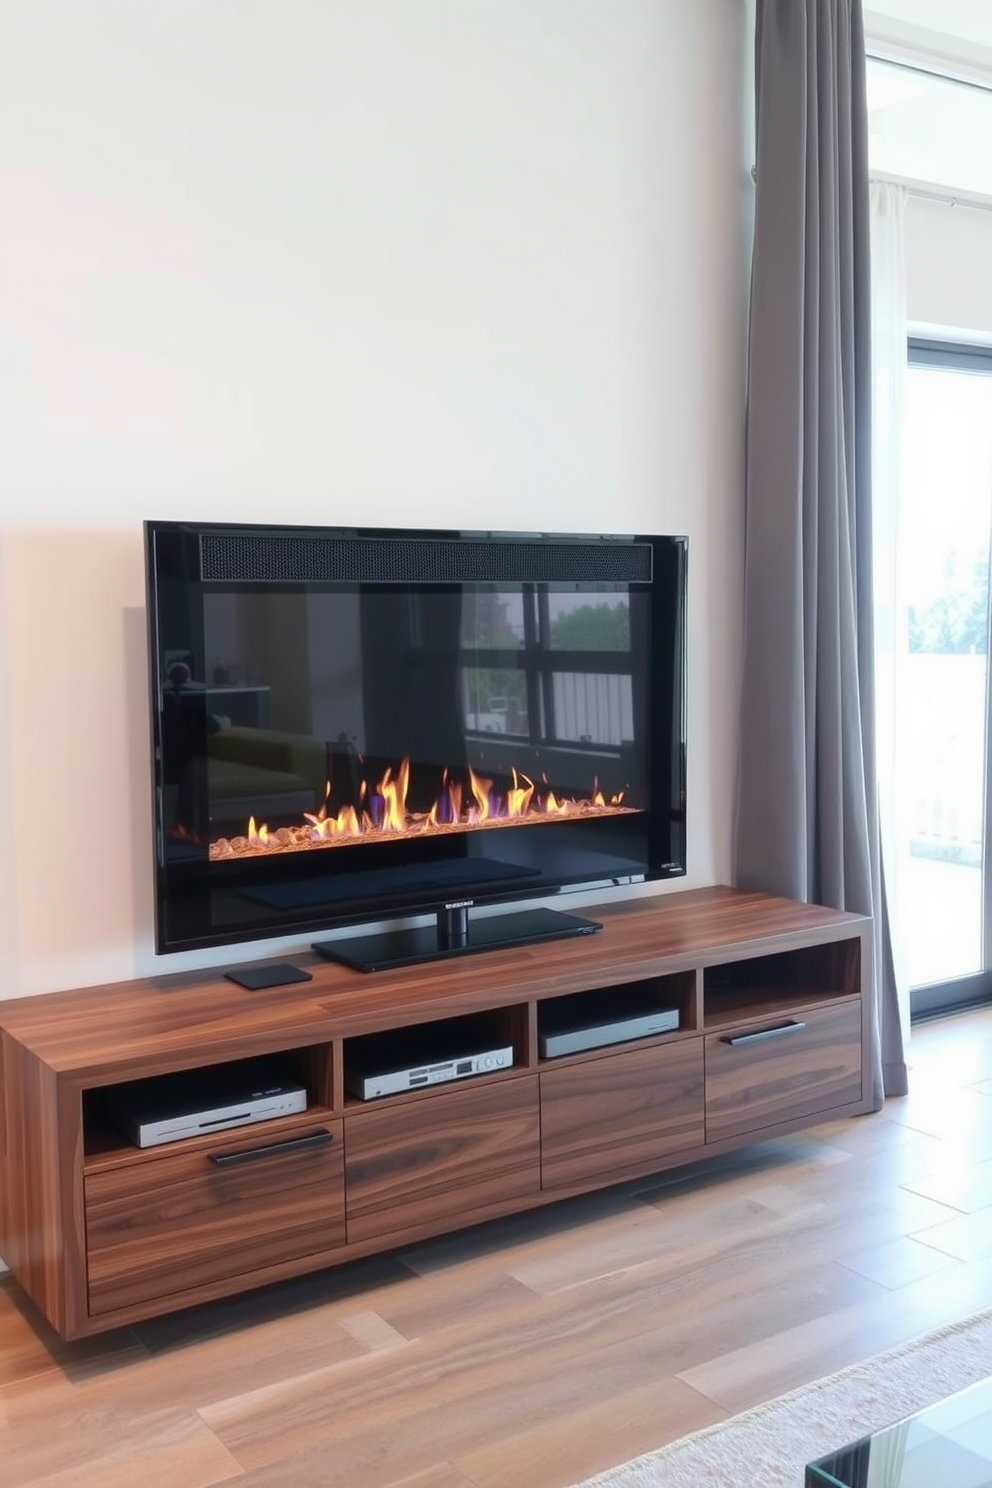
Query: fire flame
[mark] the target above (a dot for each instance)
(385, 812)
(518, 797)
(393, 793)
(482, 810)
(324, 828)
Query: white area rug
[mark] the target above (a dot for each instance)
(776, 1440)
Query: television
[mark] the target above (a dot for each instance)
(358, 726)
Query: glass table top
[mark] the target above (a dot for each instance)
(947, 1446)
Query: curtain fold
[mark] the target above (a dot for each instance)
(807, 817)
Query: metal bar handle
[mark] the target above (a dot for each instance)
(765, 1033)
(273, 1149)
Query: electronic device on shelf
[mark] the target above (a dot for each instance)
(443, 721)
(368, 1085)
(411, 1058)
(167, 1108)
(574, 1038)
(594, 1020)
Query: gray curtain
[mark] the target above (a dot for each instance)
(807, 819)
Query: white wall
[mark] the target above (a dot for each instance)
(426, 262)
(948, 283)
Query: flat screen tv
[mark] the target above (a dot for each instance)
(364, 725)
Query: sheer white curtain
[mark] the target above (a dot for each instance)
(888, 354)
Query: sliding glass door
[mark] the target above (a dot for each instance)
(943, 705)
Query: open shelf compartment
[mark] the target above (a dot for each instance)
(402, 1062)
(761, 986)
(581, 1022)
(111, 1113)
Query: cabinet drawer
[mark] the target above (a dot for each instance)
(443, 1160)
(787, 1068)
(163, 1226)
(605, 1116)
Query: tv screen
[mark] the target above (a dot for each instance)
(357, 725)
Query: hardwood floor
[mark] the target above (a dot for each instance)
(531, 1352)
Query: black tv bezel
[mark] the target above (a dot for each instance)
(668, 848)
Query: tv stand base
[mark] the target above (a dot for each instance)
(453, 935)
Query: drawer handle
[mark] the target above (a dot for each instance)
(274, 1149)
(765, 1033)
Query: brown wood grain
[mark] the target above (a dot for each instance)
(72, 1225)
(101, 1234)
(617, 1115)
(192, 1019)
(814, 1065)
(32, 1233)
(173, 1223)
(548, 1346)
(459, 1156)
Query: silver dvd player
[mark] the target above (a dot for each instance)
(171, 1107)
(370, 1081)
(574, 1039)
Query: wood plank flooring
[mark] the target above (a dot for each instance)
(534, 1351)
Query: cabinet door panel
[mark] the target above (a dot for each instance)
(446, 1159)
(792, 1067)
(604, 1117)
(163, 1226)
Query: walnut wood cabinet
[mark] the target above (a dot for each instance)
(773, 1010)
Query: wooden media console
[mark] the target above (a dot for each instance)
(773, 1012)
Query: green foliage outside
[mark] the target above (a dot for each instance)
(593, 627)
(487, 624)
(956, 623)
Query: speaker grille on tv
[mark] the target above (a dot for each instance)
(275, 558)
